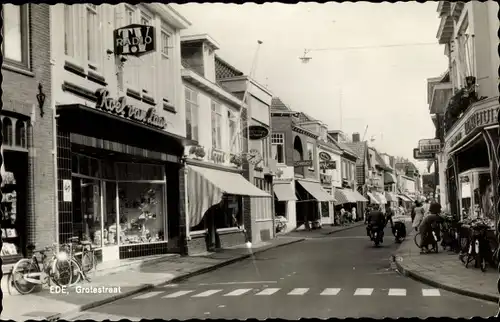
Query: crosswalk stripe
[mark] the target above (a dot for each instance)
(363, 291)
(146, 295)
(430, 292)
(177, 294)
(268, 291)
(331, 291)
(207, 293)
(238, 292)
(397, 292)
(298, 291)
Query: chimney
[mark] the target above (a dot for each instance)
(355, 137)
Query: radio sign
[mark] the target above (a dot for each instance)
(135, 40)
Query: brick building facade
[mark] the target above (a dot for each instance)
(28, 130)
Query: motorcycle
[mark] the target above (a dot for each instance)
(376, 235)
(399, 231)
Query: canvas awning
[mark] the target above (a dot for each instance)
(206, 187)
(373, 199)
(343, 196)
(391, 197)
(389, 178)
(358, 196)
(315, 190)
(284, 192)
(380, 197)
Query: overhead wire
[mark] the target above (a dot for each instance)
(372, 47)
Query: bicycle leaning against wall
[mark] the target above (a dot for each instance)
(30, 273)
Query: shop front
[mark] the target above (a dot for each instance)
(15, 192)
(215, 199)
(471, 145)
(310, 195)
(119, 179)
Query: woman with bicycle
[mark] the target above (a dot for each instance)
(430, 223)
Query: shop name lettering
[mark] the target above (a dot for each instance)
(121, 108)
(481, 118)
(430, 147)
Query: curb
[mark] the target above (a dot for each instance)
(431, 282)
(176, 279)
(342, 229)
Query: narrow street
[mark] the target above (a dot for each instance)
(341, 275)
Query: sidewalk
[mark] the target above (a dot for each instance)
(324, 230)
(445, 270)
(44, 305)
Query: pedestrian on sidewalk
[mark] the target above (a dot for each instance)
(388, 215)
(353, 212)
(343, 217)
(419, 215)
(413, 210)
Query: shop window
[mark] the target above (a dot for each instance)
(87, 221)
(15, 46)
(230, 215)
(142, 217)
(140, 171)
(278, 147)
(325, 209)
(7, 132)
(20, 134)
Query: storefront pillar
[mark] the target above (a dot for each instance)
(492, 140)
(458, 192)
(183, 220)
(30, 205)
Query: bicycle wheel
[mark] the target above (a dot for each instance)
(19, 271)
(418, 240)
(89, 263)
(76, 272)
(62, 272)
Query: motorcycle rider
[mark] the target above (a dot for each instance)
(375, 217)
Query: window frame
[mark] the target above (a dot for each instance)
(216, 144)
(94, 65)
(25, 28)
(310, 154)
(196, 105)
(278, 137)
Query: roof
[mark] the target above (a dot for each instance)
(341, 146)
(278, 105)
(306, 118)
(380, 161)
(201, 38)
(359, 148)
(225, 70)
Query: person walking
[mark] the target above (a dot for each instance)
(419, 215)
(413, 210)
(353, 213)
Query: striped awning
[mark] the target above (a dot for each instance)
(284, 192)
(343, 196)
(358, 196)
(380, 197)
(403, 197)
(205, 188)
(316, 191)
(373, 199)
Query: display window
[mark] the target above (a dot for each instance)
(118, 203)
(230, 214)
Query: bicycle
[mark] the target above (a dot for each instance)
(32, 275)
(418, 241)
(82, 262)
(479, 248)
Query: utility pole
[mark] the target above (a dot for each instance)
(340, 109)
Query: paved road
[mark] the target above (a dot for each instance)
(341, 275)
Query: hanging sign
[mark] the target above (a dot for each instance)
(417, 155)
(121, 108)
(303, 163)
(429, 145)
(135, 40)
(325, 156)
(256, 132)
(67, 194)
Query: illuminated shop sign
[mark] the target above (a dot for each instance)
(135, 40)
(121, 108)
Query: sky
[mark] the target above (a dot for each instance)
(382, 88)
